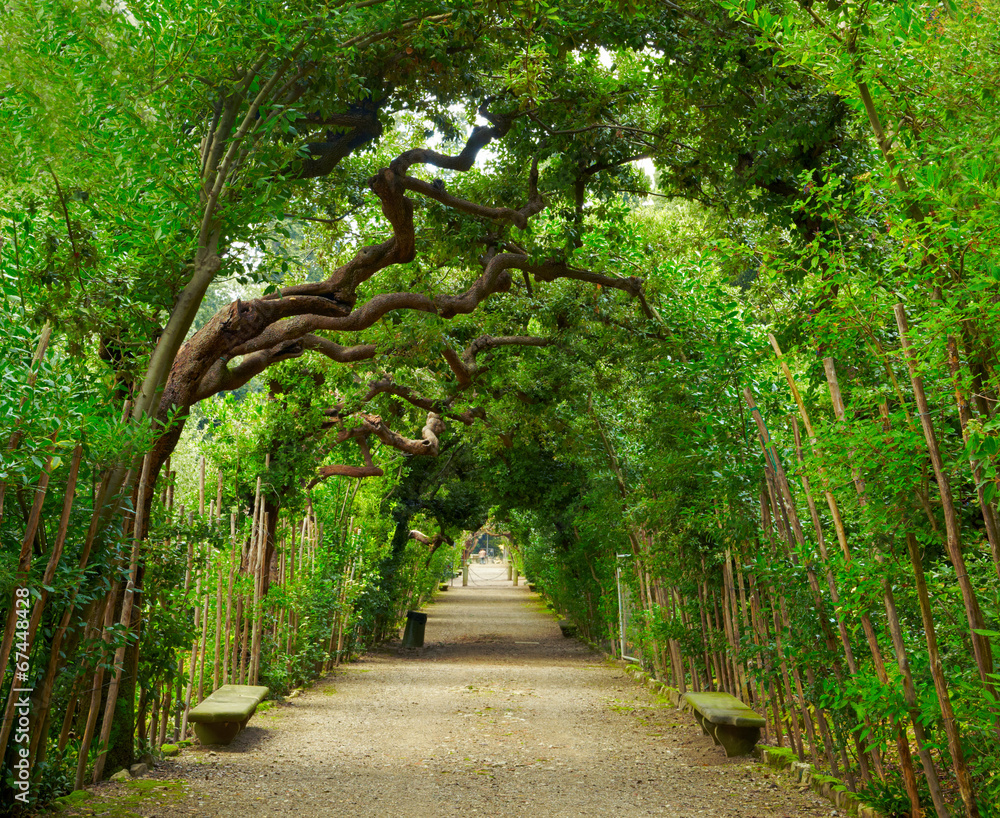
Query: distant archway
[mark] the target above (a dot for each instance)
(488, 541)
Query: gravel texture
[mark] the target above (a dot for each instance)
(497, 715)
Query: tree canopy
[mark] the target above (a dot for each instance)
(698, 298)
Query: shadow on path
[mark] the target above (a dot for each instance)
(498, 715)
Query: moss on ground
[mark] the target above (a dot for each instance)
(129, 800)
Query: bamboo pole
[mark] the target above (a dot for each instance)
(15, 438)
(256, 534)
(216, 657)
(831, 501)
(792, 530)
(164, 483)
(292, 615)
(902, 741)
(763, 637)
(160, 706)
(342, 614)
(193, 657)
(74, 711)
(24, 560)
(97, 689)
(164, 713)
(229, 597)
(980, 644)
(47, 579)
(790, 714)
(240, 642)
(171, 480)
(731, 623)
(781, 621)
(842, 538)
(218, 496)
(147, 730)
(780, 490)
(258, 627)
(204, 638)
(948, 719)
(146, 692)
(128, 602)
(686, 624)
(831, 582)
(705, 634)
(69, 717)
(201, 487)
(43, 693)
(965, 418)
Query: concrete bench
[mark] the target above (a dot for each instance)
(222, 715)
(727, 720)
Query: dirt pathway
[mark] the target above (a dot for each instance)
(498, 715)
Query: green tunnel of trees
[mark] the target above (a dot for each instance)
(696, 302)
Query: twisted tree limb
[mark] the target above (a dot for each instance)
(428, 444)
(246, 338)
(434, 542)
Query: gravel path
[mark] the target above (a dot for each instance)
(498, 715)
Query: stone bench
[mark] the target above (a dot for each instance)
(727, 720)
(222, 715)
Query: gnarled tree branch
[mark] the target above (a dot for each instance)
(434, 542)
(284, 325)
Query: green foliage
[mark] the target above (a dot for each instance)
(815, 166)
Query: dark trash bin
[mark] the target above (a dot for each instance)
(413, 633)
